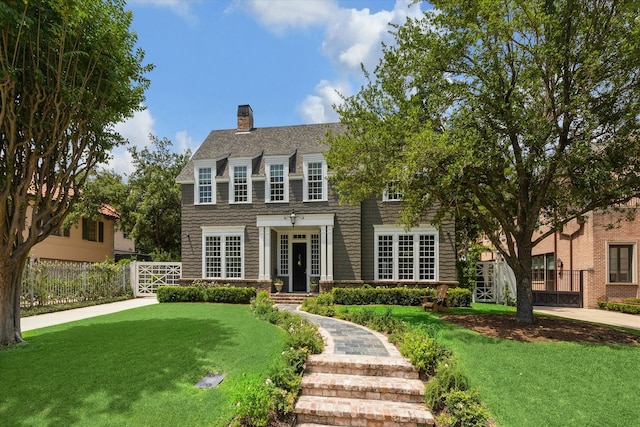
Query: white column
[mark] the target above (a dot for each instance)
(329, 252)
(261, 251)
(267, 253)
(323, 253)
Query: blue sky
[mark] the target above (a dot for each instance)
(286, 58)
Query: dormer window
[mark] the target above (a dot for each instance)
(204, 188)
(277, 179)
(391, 194)
(240, 181)
(315, 172)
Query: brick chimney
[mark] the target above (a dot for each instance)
(245, 118)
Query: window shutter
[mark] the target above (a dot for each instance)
(85, 229)
(100, 231)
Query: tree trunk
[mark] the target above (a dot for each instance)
(521, 267)
(10, 291)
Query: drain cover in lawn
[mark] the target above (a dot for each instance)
(210, 381)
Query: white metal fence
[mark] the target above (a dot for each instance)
(55, 282)
(147, 276)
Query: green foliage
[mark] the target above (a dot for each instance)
(381, 296)
(214, 294)
(460, 297)
(263, 404)
(463, 410)
(505, 113)
(321, 305)
(447, 377)
(423, 351)
(466, 266)
(623, 307)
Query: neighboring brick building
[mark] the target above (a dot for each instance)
(598, 256)
(256, 204)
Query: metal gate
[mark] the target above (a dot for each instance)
(147, 276)
(564, 290)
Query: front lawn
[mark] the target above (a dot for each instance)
(137, 367)
(541, 383)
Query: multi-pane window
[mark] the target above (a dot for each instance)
(427, 257)
(385, 257)
(276, 183)
(240, 184)
(315, 171)
(223, 252)
(620, 263)
(233, 256)
(391, 194)
(314, 181)
(205, 185)
(404, 255)
(315, 255)
(284, 254)
(92, 231)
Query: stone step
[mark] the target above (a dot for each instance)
(361, 365)
(363, 387)
(288, 298)
(361, 412)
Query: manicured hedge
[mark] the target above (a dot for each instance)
(629, 308)
(458, 297)
(220, 294)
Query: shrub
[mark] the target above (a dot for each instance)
(423, 351)
(463, 409)
(460, 297)
(381, 296)
(321, 305)
(447, 377)
(197, 293)
(623, 307)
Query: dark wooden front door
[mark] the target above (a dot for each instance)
(299, 267)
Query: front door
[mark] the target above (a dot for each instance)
(299, 267)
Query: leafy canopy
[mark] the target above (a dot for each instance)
(514, 114)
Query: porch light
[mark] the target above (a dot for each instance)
(293, 217)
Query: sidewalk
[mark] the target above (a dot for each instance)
(594, 315)
(50, 319)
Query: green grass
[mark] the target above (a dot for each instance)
(137, 367)
(542, 383)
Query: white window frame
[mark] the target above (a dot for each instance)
(314, 158)
(391, 196)
(395, 232)
(223, 233)
(274, 161)
(204, 164)
(234, 163)
(633, 260)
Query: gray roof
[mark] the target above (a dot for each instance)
(292, 141)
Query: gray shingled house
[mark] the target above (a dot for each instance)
(256, 205)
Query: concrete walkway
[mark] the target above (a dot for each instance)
(594, 315)
(50, 319)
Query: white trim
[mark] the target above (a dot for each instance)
(204, 164)
(274, 161)
(314, 158)
(240, 162)
(222, 232)
(303, 220)
(395, 232)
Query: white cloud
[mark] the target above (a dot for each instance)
(183, 142)
(180, 7)
(280, 15)
(318, 108)
(136, 130)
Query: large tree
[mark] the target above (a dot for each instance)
(152, 210)
(518, 115)
(69, 70)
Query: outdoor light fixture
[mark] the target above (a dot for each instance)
(293, 217)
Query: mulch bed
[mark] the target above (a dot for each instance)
(544, 329)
